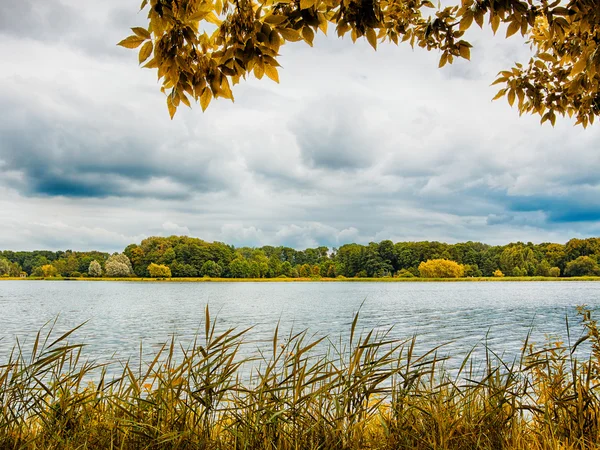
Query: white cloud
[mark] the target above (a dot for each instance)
(353, 145)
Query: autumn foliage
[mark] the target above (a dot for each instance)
(199, 48)
(441, 268)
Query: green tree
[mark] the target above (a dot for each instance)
(581, 267)
(239, 268)
(211, 269)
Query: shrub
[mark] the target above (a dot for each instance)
(159, 271)
(554, 272)
(403, 273)
(498, 273)
(441, 268)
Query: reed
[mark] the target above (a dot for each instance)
(368, 392)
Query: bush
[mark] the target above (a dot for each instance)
(441, 268)
(403, 273)
(554, 272)
(159, 271)
(75, 274)
(498, 273)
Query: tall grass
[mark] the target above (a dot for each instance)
(369, 392)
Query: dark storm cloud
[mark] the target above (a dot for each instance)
(572, 207)
(76, 158)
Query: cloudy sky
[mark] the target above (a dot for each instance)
(353, 146)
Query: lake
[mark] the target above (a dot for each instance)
(121, 315)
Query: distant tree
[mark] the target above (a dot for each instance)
(9, 269)
(159, 271)
(118, 265)
(239, 268)
(315, 271)
(183, 270)
(211, 269)
(543, 269)
(581, 267)
(49, 270)
(286, 269)
(441, 268)
(554, 272)
(472, 270)
(95, 270)
(304, 270)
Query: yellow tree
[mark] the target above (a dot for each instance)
(441, 268)
(199, 48)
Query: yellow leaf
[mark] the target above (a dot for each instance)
(579, 66)
(305, 4)
(443, 59)
(323, 24)
(152, 64)
(131, 42)
(495, 21)
(271, 72)
(308, 34)
(466, 21)
(146, 51)
(141, 32)
(372, 38)
(212, 18)
(259, 69)
(500, 93)
(513, 28)
(205, 98)
(465, 52)
(546, 57)
(172, 107)
(275, 19)
(289, 34)
(185, 100)
(511, 97)
(226, 89)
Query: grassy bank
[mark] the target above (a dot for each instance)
(370, 392)
(303, 280)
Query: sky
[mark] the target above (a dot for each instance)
(353, 145)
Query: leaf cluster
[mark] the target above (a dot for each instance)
(200, 48)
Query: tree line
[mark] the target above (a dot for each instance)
(183, 256)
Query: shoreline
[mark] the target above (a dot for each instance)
(309, 280)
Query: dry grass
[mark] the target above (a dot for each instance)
(371, 392)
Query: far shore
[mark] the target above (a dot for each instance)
(306, 280)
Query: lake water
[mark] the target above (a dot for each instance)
(122, 315)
